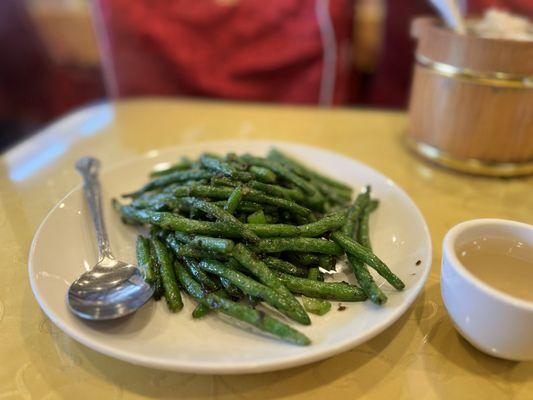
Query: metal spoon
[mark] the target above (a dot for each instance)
(112, 288)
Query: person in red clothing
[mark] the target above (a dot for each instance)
(292, 51)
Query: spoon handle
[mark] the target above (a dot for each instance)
(88, 167)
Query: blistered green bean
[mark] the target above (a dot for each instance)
(239, 311)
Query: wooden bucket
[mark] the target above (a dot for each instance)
(471, 105)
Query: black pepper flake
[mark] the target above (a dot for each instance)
(419, 262)
(341, 307)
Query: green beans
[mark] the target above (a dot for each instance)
(174, 222)
(278, 191)
(253, 288)
(172, 291)
(239, 311)
(365, 255)
(248, 194)
(253, 264)
(240, 231)
(223, 216)
(173, 177)
(281, 171)
(302, 170)
(233, 200)
(219, 166)
(311, 245)
(340, 291)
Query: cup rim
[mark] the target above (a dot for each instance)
(449, 251)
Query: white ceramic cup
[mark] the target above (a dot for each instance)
(494, 322)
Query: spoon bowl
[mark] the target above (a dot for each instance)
(111, 289)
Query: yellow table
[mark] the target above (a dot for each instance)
(421, 356)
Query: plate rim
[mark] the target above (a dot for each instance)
(218, 368)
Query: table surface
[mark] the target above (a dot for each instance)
(420, 356)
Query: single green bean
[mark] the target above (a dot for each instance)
(303, 259)
(256, 289)
(299, 244)
(241, 312)
(172, 291)
(201, 277)
(365, 279)
(184, 164)
(201, 309)
(316, 306)
(245, 206)
(231, 289)
(257, 217)
(328, 223)
(313, 274)
(142, 248)
(341, 291)
(257, 267)
(278, 191)
(326, 262)
(184, 250)
(285, 266)
(233, 200)
(263, 174)
(365, 255)
(159, 289)
(207, 243)
(354, 212)
(363, 234)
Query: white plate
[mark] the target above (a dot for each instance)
(64, 246)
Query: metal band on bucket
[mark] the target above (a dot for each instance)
(501, 79)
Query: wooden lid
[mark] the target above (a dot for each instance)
(467, 51)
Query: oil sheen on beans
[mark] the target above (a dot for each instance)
(504, 264)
